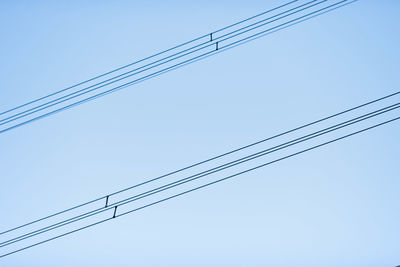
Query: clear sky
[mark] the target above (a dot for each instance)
(337, 206)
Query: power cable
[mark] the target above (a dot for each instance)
(34, 110)
(205, 185)
(141, 69)
(144, 59)
(208, 160)
(205, 173)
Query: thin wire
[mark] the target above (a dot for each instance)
(194, 59)
(221, 50)
(208, 160)
(204, 173)
(141, 69)
(191, 166)
(253, 17)
(289, 25)
(141, 208)
(136, 62)
(206, 185)
(262, 165)
(283, 24)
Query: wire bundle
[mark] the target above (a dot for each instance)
(214, 170)
(189, 52)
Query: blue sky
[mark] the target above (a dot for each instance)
(337, 206)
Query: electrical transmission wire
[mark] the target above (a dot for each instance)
(144, 59)
(207, 184)
(219, 48)
(104, 198)
(212, 170)
(216, 41)
(33, 110)
(204, 173)
(65, 98)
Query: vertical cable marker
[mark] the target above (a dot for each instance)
(115, 211)
(106, 202)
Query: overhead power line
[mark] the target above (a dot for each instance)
(215, 42)
(206, 185)
(84, 90)
(115, 205)
(139, 61)
(210, 159)
(212, 46)
(103, 198)
(202, 174)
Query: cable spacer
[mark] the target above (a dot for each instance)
(106, 202)
(115, 211)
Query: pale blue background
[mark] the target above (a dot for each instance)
(338, 206)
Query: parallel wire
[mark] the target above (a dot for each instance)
(273, 31)
(220, 180)
(146, 67)
(186, 62)
(200, 162)
(206, 185)
(204, 173)
(144, 59)
(149, 57)
(206, 161)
